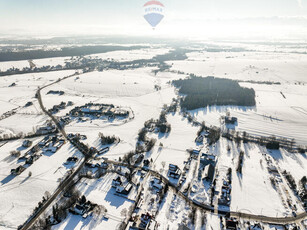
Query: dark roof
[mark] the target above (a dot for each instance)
(183, 227)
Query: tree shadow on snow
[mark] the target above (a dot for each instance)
(221, 109)
(163, 135)
(276, 154)
(114, 200)
(73, 222)
(9, 159)
(7, 179)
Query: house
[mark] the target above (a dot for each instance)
(157, 184)
(27, 143)
(138, 158)
(71, 160)
(93, 150)
(174, 171)
(28, 104)
(174, 174)
(104, 150)
(82, 207)
(79, 210)
(145, 220)
(231, 120)
(124, 189)
(183, 227)
(195, 152)
(18, 170)
(93, 164)
(69, 103)
(117, 182)
(146, 163)
(208, 173)
(172, 167)
(104, 165)
(152, 225)
(225, 195)
(44, 141)
(206, 159)
(33, 158)
(46, 129)
(273, 169)
(51, 148)
(231, 224)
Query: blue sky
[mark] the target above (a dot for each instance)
(123, 16)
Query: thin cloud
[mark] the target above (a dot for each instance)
(300, 3)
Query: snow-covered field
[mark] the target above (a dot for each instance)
(281, 110)
(130, 55)
(175, 144)
(26, 86)
(273, 114)
(255, 66)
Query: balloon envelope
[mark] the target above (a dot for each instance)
(153, 12)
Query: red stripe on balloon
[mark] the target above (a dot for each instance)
(154, 3)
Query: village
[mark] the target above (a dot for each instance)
(134, 179)
(107, 145)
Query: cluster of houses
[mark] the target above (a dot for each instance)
(56, 108)
(47, 144)
(99, 110)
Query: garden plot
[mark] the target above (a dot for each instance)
(21, 194)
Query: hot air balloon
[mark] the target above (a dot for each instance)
(153, 12)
